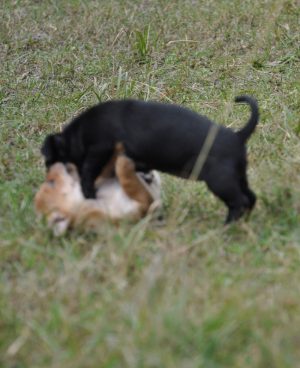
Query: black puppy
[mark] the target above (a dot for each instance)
(159, 136)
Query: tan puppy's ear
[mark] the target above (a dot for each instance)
(59, 223)
(72, 170)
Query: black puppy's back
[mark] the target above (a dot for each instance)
(168, 137)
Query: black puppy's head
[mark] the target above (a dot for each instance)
(54, 149)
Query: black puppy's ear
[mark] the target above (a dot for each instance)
(47, 146)
(60, 144)
(53, 147)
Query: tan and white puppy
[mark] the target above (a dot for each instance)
(122, 193)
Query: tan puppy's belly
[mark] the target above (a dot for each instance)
(114, 202)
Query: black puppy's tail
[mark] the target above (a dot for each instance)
(249, 128)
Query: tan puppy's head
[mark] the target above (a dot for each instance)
(59, 196)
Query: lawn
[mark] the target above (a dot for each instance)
(186, 292)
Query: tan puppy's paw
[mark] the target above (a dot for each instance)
(109, 169)
(119, 149)
(124, 165)
(99, 181)
(59, 223)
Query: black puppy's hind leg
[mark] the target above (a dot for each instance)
(224, 183)
(247, 191)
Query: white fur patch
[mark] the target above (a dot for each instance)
(113, 201)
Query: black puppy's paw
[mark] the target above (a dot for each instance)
(234, 214)
(89, 191)
(90, 194)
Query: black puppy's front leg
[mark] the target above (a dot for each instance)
(92, 166)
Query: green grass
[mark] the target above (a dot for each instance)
(186, 293)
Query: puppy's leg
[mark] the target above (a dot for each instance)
(93, 164)
(109, 169)
(59, 222)
(247, 191)
(224, 182)
(132, 184)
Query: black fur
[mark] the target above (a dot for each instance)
(158, 136)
